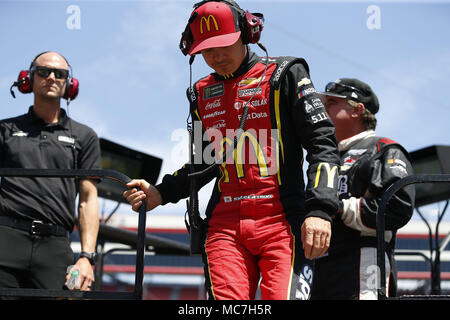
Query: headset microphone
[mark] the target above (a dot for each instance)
(15, 84)
(23, 83)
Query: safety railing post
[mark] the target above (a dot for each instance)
(140, 252)
(381, 225)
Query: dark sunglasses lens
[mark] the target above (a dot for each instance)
(334, 87)
(60, 74)
(43, 73)
(329, 86)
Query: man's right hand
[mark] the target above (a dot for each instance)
(316, 236)
(148, 193)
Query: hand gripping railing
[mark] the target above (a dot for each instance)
(140, 243)
(381, 225)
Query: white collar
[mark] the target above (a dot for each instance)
(347, 143)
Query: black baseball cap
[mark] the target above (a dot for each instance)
(353, 89)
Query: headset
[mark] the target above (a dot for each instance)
(250, 24)
(25, 81)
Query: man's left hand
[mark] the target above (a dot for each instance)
(316, 236)
(86, 275)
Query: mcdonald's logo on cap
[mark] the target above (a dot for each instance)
(208, 23)
(214, 25)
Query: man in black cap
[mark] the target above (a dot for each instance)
(369, 165)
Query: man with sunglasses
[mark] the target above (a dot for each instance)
(369, 165)
(38, 214)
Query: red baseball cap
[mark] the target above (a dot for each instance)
(216, 25)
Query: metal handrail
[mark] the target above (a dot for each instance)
(157, 245)
(391, 190)
(140, 243)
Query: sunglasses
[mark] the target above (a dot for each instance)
(44, 72)
(341, 88)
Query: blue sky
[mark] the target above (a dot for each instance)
(133, 77)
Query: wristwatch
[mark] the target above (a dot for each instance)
(91, 256)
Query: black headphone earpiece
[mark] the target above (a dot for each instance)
(186, 37)
(250, 24)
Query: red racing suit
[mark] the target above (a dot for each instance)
(259, 201)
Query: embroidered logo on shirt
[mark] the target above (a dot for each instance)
(249, 92)
(397, 164)
(303, 82)
(306, 92)
(342, 184)
(214, 91)
(66, 139)
(249, 81)
(20, 134)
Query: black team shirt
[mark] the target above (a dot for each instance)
(27, 141)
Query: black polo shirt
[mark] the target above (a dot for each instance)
(27, 141)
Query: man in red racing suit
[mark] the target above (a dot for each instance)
(252, 227)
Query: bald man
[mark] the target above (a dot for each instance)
(37, 215)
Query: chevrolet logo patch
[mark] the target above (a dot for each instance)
(249, 81)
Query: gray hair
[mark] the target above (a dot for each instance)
(368, 119)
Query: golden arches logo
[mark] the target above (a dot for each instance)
(240, 154)
(225, 141)
(331, 173)
(208, 23)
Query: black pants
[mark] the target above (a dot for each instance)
(29, 261)
(353, 275)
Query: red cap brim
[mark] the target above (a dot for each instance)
(214, 42)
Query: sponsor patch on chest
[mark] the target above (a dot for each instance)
(249, 92)
(214, 91)
(20, 134)
(249, 81)
(66, 139)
